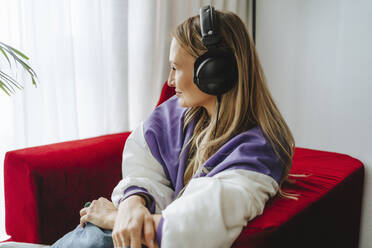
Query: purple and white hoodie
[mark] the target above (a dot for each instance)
(231, 190)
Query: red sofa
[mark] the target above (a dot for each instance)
(46, 186)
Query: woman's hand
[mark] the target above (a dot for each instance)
(133, 220)
(101, 213)
(156, 218)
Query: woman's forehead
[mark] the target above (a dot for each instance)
(176, 51)
(177, 54)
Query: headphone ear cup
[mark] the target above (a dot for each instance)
(214, 73)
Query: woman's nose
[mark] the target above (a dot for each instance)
(171, 82)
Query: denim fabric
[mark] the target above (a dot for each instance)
(91, 236)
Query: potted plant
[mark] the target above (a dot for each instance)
(7, 83)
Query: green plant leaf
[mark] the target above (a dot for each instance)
(1, 86)
(23, 64)
(6, 56)
(10, 81)
(33, 81)
(12, 52)
(6, 80)
(16, 51)
(26, 67)
(4, 84)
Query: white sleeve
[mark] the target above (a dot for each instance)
(142, 173)
(213, 210)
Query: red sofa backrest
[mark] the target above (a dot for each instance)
(166, 93)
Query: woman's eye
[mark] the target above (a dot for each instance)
(173, 68)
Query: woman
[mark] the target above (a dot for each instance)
(202, 164)
(245, 161)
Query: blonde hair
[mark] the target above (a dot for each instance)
(248, 104)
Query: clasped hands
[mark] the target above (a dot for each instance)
(132, 224)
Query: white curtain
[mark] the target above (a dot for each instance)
(100, 63)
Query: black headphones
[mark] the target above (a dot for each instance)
(216, 71)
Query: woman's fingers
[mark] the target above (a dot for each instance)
(149, 231)
(115, 241)
(101, 212)
(84, 219)
(135, 238)
(129, 223)
(125, 240)
(83, 212)
(121, 239)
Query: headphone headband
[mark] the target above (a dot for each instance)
(209, 26)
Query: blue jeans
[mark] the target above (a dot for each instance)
(91, 236)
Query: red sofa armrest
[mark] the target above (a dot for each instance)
(327, 212)
(46, 186)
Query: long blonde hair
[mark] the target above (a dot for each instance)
(248, 104)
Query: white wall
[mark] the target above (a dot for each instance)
(317, 56)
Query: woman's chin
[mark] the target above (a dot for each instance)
(181, 102)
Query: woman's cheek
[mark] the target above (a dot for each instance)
(178, 74)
